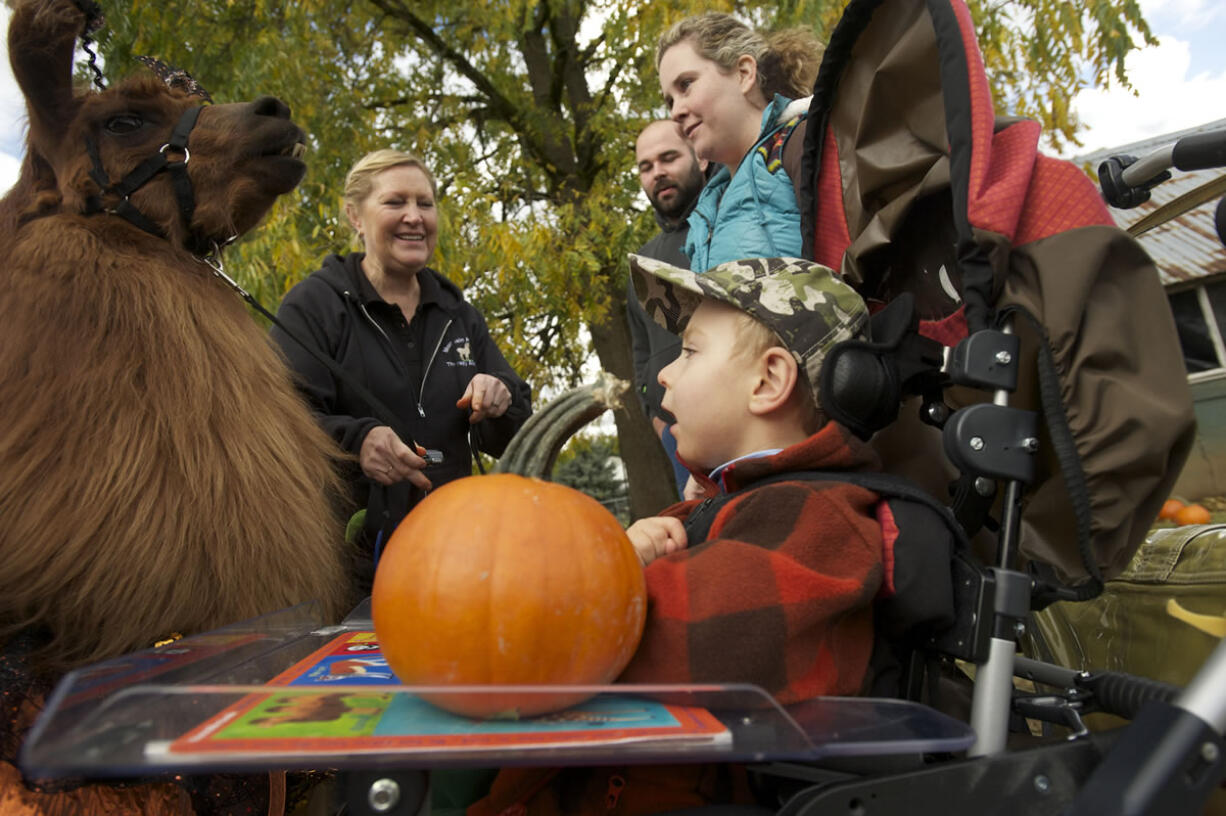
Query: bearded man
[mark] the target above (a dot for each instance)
(672, 176)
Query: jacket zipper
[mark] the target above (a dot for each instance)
(392, 348)
(429, 363)
(753, 183)
(699, 513)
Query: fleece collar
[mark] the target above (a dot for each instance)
(717, 475)
(431, 289)
(831, 448)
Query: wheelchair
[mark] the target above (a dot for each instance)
(1168, 760)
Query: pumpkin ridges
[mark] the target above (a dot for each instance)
(626, 568)
(577, 516)
(503, 627)
(435, 568)
(529, 527)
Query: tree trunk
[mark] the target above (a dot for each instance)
(648, 472)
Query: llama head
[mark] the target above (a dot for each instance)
(89, 152)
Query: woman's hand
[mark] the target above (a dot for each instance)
(655, 536)
(387, 460)
(486, 396)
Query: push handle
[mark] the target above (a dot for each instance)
(1200, 151)
(1126, 181)
(1125, 694)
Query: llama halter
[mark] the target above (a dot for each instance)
(155, 164)
(142, 174)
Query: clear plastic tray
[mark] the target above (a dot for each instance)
(122, 717)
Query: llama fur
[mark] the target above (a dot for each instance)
(158, 471)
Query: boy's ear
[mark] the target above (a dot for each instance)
(777, 378)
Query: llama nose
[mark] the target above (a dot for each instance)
(271, 106)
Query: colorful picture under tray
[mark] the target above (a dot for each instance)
(343, 717)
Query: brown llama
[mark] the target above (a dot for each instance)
(158, 471)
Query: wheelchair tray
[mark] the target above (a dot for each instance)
(282, 691)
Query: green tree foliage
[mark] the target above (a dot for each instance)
(588, 464)
(527, 111)
(1040, 53)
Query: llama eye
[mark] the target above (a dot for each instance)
(123, 124)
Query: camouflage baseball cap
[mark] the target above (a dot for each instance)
(804, 303)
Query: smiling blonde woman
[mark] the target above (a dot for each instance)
(405, 332)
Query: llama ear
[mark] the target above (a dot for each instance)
(42, 37)
(38, 178)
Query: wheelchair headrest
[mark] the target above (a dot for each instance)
(863, 382)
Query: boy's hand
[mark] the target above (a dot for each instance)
(656, 536)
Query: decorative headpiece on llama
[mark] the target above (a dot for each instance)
(175, 77)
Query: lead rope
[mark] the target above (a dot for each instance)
(381, 411)
(377, 406)
(93, 22)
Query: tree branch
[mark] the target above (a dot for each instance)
(397, 10)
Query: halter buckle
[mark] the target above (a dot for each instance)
(186, 153)
(114, 208)
(213, 262)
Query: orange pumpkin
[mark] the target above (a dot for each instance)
(503, 579)
(1193, 514)
(1170, 508)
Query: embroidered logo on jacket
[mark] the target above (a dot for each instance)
(459, 352)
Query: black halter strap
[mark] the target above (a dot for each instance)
(143, 173)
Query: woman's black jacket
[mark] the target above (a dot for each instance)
(417, 367)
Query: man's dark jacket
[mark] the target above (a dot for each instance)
(652, 345)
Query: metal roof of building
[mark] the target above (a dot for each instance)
(1186, 247)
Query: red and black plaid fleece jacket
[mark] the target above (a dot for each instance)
(780, 594)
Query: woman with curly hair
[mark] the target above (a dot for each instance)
(731, 88)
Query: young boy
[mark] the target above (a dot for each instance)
(779, 593)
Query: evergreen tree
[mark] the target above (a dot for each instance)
(590, 465)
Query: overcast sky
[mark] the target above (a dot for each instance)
(1180, 83)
